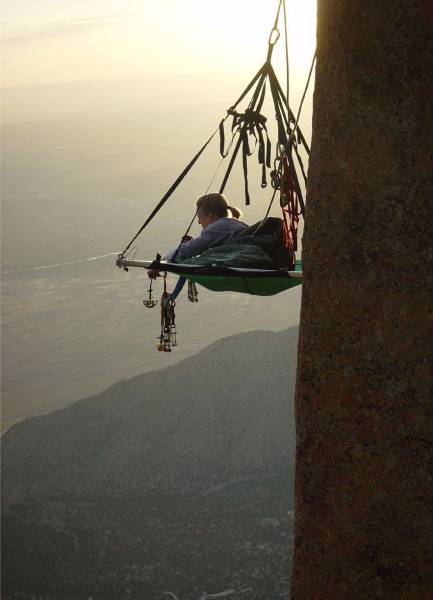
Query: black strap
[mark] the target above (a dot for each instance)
(258, 90)
(262, 98)
(279, 114)
(252, 123)
(231, 163)
(170, 191)
(261, 156)
(245, 153)
(222, 139)
(249, 86)
(299, 133)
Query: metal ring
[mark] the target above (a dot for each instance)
(270, 42)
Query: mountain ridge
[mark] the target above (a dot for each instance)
(181, 429)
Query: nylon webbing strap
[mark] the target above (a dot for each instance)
(249, 123)
(249, 86)
(231, 163)
(299, 134)
(245, 153)
(280, 101)
(170, 191)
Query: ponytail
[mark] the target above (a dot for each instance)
(236, 213)
(217, 204)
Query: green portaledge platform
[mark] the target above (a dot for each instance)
(257, 286)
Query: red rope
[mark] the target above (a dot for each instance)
(290, 209)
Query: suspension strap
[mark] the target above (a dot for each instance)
(282, 101)
(191, 163)
(231, 163)
(245, 153)
(303, 98)
(253, 123)
(274, 35)
(170, 191)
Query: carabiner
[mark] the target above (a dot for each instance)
(150, 302)
(274, 36)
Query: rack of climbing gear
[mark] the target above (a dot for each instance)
(192, 291)
(167, 338)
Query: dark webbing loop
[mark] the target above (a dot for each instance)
(231, 163)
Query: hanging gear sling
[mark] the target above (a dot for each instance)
(248, 133)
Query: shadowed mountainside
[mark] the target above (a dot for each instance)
(173, 480)
(222, 414)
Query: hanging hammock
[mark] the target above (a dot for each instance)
(248, 132)
(258, 282)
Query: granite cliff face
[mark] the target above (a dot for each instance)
(222, 414)
(363, 396)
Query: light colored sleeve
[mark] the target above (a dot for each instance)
(195, 246)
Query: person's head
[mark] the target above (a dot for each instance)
(212, 207)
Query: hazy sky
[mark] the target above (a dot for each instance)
(104, 102)
(64, 58)
(59, 40)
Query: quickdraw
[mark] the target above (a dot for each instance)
(192, 291)
(167, 338)
(150, 302)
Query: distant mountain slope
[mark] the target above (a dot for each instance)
(224, 413)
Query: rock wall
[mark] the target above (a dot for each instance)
(363, 518)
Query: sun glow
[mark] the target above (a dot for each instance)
(195, 50)
(188, 36)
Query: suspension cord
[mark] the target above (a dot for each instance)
(207, 190)
(274, 35)
(266, 71)
(278, 14)
(262, 73)
(191, 163)
(303, 96)
(267, 212)
(171, 190)
(176, 252)
(221, 162)
(286, 39)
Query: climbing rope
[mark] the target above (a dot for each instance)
(304, 94)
